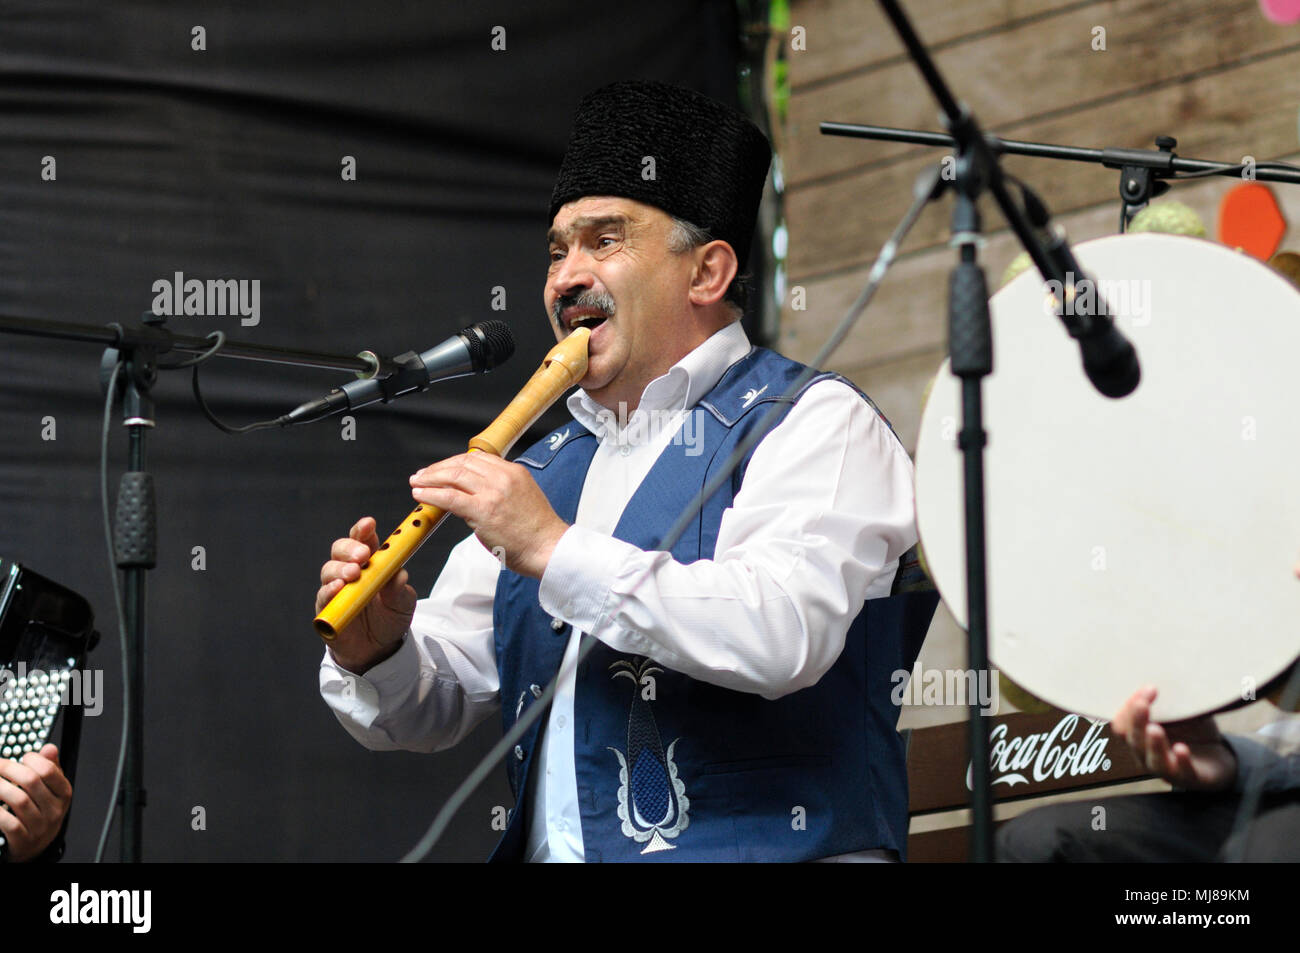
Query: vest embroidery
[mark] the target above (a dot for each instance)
(652, 802)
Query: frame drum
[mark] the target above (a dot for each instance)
(1148, 539)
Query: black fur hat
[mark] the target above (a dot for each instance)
(672, 148)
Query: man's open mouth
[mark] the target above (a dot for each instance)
(590, 309)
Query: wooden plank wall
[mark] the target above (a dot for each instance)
(1213, 73)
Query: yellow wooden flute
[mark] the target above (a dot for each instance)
(565, 365)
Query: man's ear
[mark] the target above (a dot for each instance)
(715, 267)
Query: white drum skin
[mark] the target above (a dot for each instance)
(1148, 539)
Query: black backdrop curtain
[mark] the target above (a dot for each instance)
(226, 162)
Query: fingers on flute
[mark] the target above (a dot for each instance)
(355, 548)
(398, 595)
(345, 569)
(365, 531)
(326, 592)
(334, 575)
(346, 557)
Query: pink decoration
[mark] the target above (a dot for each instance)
(1281, 11)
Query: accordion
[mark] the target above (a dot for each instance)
(46, 631)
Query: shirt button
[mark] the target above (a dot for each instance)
(557, 625)
(519, 753)
(559, 722)
(536, 690)
(624, 450)
(561, 826)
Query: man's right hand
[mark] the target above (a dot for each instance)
(1190, 754)
(377, 631)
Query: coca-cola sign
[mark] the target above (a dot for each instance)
(1047, 754)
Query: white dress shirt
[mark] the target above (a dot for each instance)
(823, 515)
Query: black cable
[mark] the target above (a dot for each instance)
(1239, 167)
(218, 343)
(203, 404)
(198, 359)
(117, 602)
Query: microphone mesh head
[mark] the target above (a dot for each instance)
(490, 343)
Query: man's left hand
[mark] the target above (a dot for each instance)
(37, 795)
(502, 504)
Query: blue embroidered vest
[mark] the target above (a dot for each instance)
(678, 769)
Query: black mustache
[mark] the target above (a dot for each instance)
(603, 301)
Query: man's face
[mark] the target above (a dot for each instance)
(610, 268)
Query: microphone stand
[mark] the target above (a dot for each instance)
(135, 350)
(1144, 173)
(971, 354)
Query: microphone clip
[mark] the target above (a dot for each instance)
(411, 374)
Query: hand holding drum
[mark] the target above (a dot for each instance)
(1140, 541)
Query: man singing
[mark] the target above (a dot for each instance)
(737, 706)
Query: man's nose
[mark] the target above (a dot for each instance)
(573, 274)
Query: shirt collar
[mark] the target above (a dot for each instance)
(682, 387)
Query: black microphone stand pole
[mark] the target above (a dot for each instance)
(1143, 175)
(971, 352)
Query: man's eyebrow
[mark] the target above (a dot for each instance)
(583, 224)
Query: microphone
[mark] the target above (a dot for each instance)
(476, 349)
(1109, 358)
